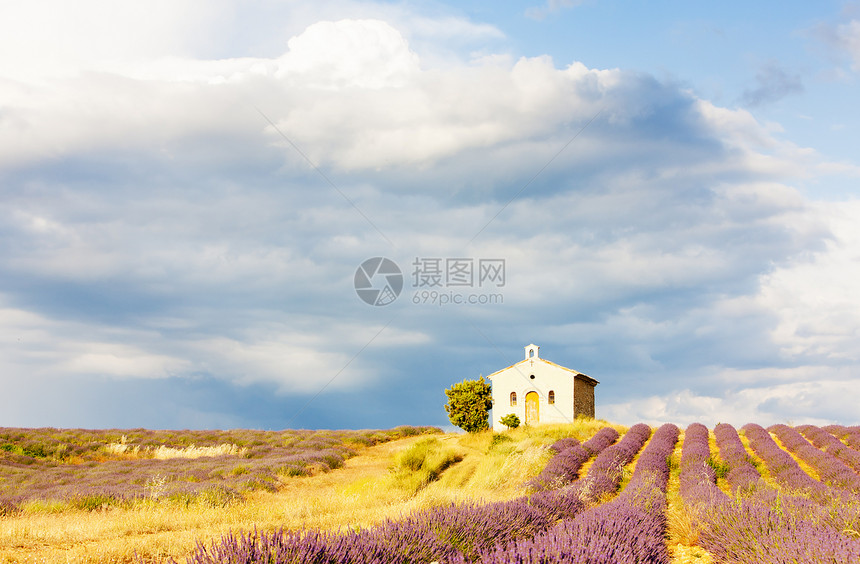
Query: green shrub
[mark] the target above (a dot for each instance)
(182, 499)
(93, 502)
(259, 484)
(469, 404)
(218, 497)
(333, 461)
(43, 506)
(499, 439)
(720, 468)
(361, 440)
(292, 470)
(511, 421)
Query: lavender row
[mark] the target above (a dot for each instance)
(830, 469)
(770, 528)
(652, 468)
(850, 435)
(454, 533)
(629, 529)
(742, 474)
(830, 444)
(609, 533)
(698, 479)
(563, 444)
(563, 468)
(764, 526)
(601, 440)
(605, 473)
(782, 466)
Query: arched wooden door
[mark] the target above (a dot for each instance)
(532, 409)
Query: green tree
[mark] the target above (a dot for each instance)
(469, 404)
(511, 421)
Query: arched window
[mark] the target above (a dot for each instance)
(513, 398)
(551, 397)
(531, 353)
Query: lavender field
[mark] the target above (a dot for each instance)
(589, 492)
(96, 469)
(749, 495)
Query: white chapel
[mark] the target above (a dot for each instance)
(539, 391)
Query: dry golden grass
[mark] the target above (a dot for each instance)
(362, 493)
(353, 495)
(690, 555)
(162, 452)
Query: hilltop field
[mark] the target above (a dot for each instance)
(587, 492)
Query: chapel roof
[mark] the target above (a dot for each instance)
(576, 374)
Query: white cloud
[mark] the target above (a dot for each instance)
(297, 360)
(300, 360)
(820, 400)
(397, 114)
(159, 227)
(814, 296)
(348, 54)
(38, 346)
(52, 38)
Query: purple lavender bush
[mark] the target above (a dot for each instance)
(831, 445)
(563, 444)
(609, 533)
(606, 471)
(770, 528)
(697, 476)
(601, 440)
(742, 474)
(830, 469)
(652, 468)
(449, 534)
(766, 525)
(849, 435)
(563, 468)
(784, 469)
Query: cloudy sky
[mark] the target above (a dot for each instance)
(188, 188)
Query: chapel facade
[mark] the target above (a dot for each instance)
(539, 391)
